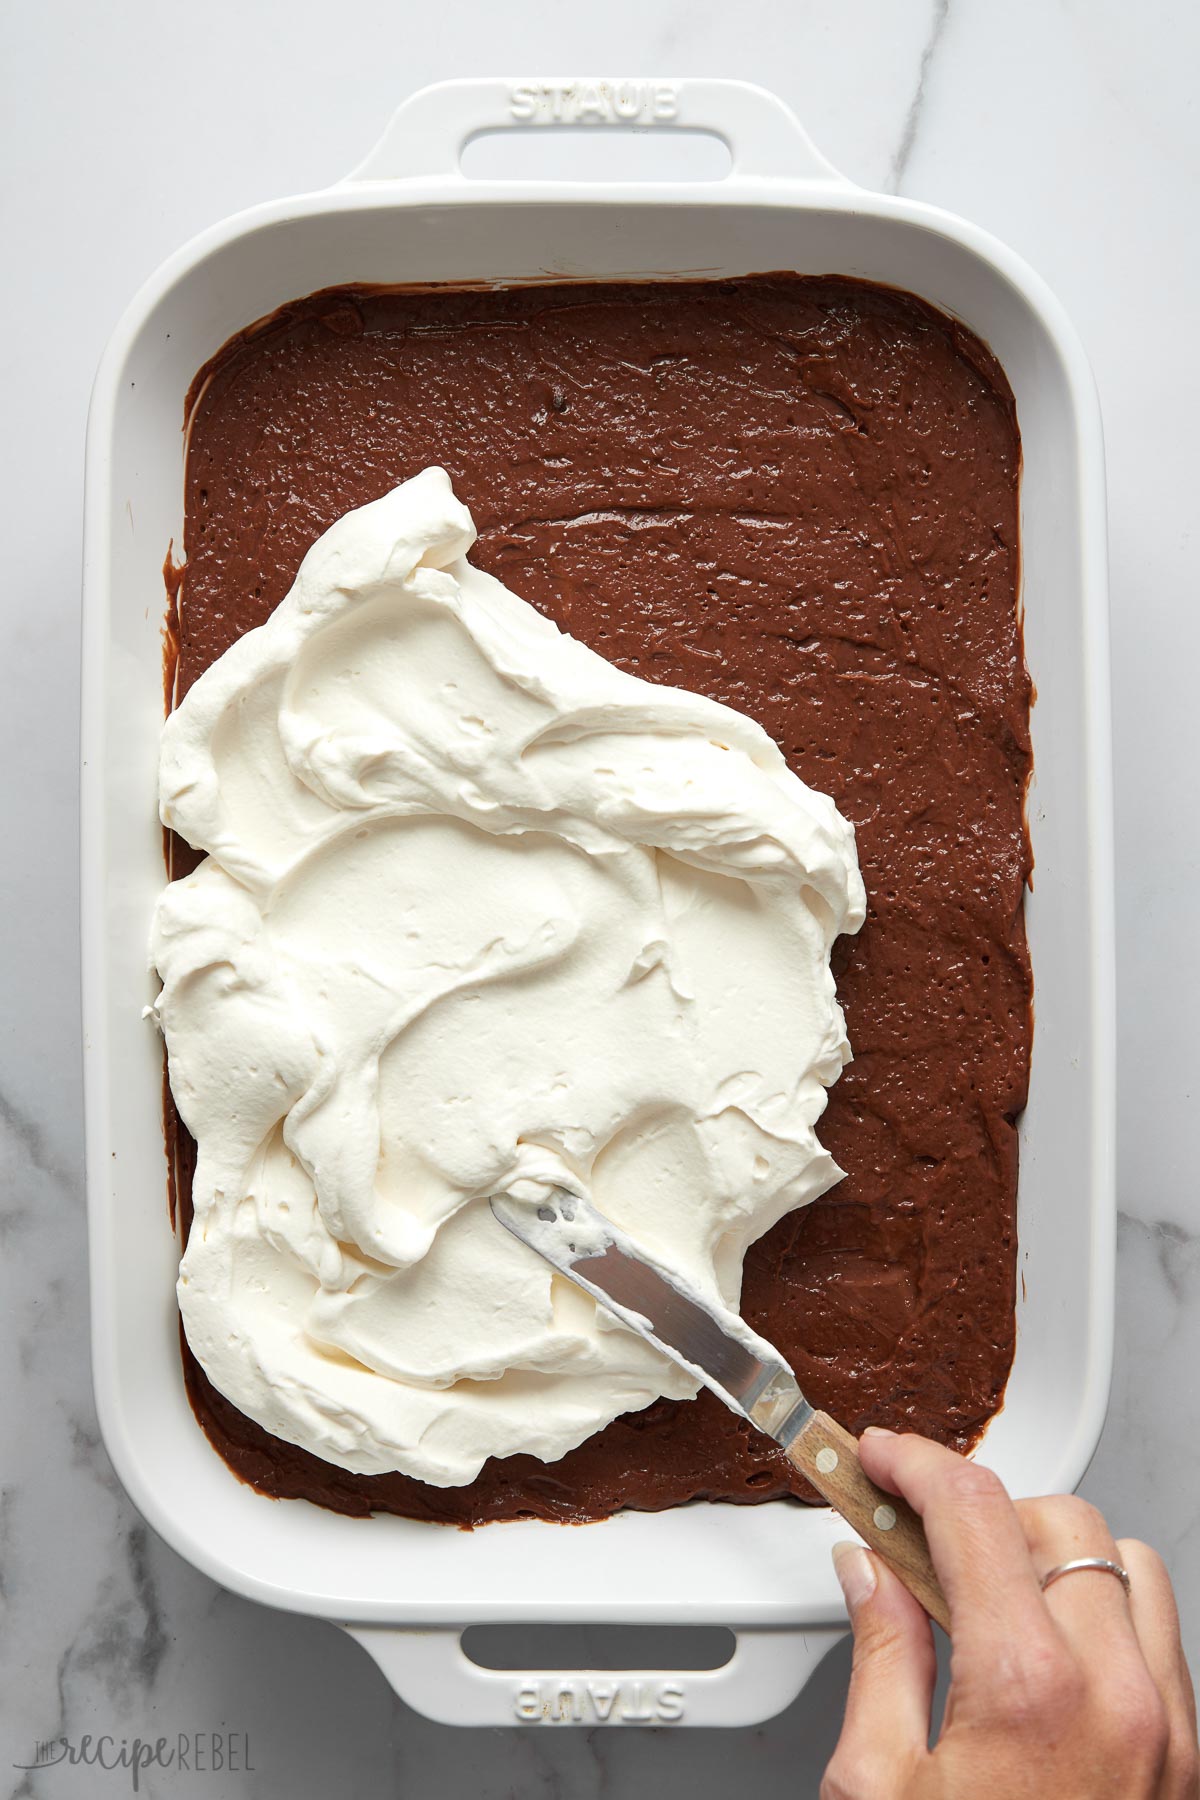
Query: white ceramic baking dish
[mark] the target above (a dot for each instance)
(408, 214)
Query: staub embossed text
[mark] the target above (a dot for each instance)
(594, 102)
(591, 1700)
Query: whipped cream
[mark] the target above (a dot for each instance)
(479, 912)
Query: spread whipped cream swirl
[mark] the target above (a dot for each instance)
(479, 912)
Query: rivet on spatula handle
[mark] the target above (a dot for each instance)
(828, 1457)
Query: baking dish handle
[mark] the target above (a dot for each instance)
(432, 1673)
(426, 135)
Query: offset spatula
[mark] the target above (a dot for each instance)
(740, 1367)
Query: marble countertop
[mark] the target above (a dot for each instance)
(1067, 127)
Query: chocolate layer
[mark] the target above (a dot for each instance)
(800, 497)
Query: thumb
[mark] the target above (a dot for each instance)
(886, 1727)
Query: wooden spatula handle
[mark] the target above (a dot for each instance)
(828, 1457)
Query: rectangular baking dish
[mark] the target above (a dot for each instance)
(408, 214)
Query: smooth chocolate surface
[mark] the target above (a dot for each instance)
(800, 497)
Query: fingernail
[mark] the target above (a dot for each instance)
(879, 1431)
(855, 1571)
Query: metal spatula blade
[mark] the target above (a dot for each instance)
(714, 1345)
(741, 1368)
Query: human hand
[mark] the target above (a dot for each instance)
(1074, 1693)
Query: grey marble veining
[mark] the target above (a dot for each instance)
(898, 167)
(1068, 129)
